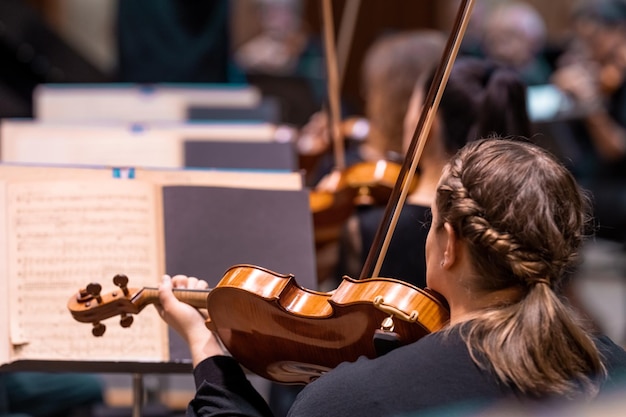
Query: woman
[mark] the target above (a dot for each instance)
(480, 99)
(507, 223)
(391, 67)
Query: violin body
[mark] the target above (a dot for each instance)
(331, 207)
(292, 335)
(362, 184)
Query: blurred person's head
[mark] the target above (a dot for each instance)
(280, 18)
(391, 68)
(481, 99)
(514, 34)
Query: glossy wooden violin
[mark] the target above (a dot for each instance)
(297, 333)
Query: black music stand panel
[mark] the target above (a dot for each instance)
(240, 155)
(210, 229)
(269, 110)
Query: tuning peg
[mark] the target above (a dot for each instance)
(126, 320)
(83, 296)
(121, 281)
(94, 289)
(98, 329)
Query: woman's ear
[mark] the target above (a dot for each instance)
(450, 252)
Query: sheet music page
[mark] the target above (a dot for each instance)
(62, 235)
(4, 281)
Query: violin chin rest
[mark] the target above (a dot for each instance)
(385, 341)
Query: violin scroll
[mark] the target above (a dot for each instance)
(90, 306)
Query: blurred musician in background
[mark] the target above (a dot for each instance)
(592, 72)
(391, 67)
(515, 35)
(593, 139)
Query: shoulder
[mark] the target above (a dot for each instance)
(431, 372)
(405, 359)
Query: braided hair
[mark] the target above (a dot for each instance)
(522, 217)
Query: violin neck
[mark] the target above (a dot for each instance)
(195, 298)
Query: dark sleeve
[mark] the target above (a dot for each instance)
(615, 362)
(4, 400)
(223, 390)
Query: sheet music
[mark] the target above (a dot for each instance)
(63, 235)
(4, 281)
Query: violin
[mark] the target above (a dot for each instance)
(362, 184)
(313, 140)
(297, 333)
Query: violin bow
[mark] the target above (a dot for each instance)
(333, 85)
(384, 233)
(347, 28)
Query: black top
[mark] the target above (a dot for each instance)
(405, 258)
(433, 374)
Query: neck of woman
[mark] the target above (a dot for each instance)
(468, 307)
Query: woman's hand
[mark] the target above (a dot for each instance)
(314, 137)
(186, 320)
